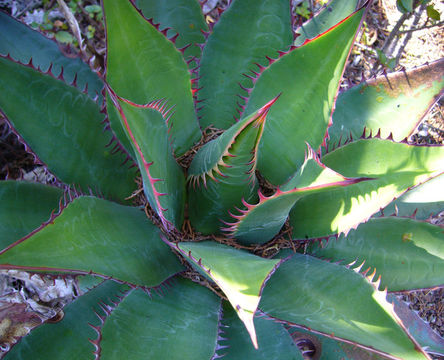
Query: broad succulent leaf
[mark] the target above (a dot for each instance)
(93, 235)
(395, 167)
(325, 348)
(261, 221)
(221, 174)
(85, 283)
(391, 104)
(23, 44)
(248, 31)
(308, 77)
(180, 322)
(163, 179)
(423, 201)
(334, 12)
(274, 341)
(333, 349)
(69, 338)
(143, 66)
(407, 254)
(166, 69)
(65, 130)
(239, 274)
(338, 303)
(117, 126)
(180, 17)
(417, 327)
(24, 206)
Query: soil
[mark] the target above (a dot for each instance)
(383, 29)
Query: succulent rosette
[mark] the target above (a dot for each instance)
(241, 142)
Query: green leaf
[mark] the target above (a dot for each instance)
(144, 66)
(302, 10)
(181, 324)
(93, 9)
(24, 206)
(337, 302)
(417, 327)
(64, 37)
(274, 341)
(395, 167)
(260, 222)
(117, 126)
(432, 13)
(87, 282)
(389, 104)
(405, 6)
(423, 201)
(308, 78)
(69, 338)
(221, 174)
(247, 31)
(330, 349)
(406, 253)
(328, 17)
(184, 17)
(239, 274)
(388, 62)
(98, 236)
(79, 152)
(22, 43)
(326, 348)
(163, 178)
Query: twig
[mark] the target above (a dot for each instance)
(72, 22)
(421, 28)
(389, 47)
(409, 35)
(395, 31)
(30, 6)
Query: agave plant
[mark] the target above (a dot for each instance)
(262, 185)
